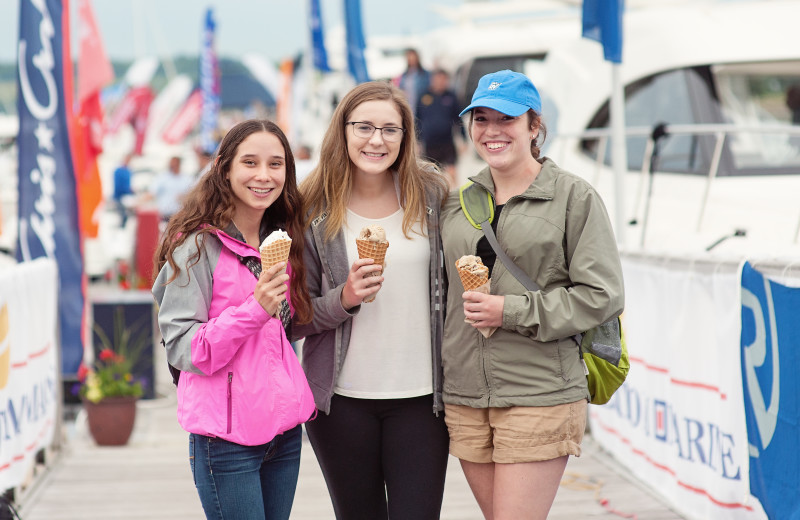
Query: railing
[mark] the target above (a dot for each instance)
(650, 158)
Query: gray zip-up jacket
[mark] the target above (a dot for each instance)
(328, 335)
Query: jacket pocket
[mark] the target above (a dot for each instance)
(230, 401)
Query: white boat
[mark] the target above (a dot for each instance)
(727, 173)
(712, 179)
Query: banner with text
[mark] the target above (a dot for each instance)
(678, 422)
(29, 377)
(770, 355)
(48, 205)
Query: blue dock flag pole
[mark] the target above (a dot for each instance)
(355, 41)
(602, 21)
(209, 85)
(319, 54)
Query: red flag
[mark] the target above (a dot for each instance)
(94, 71)
(144, 98)
(134, 109)
(185, 120)
(124, 112)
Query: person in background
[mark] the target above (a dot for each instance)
(169, 188)
(437, 115)
(304, 162)
(122, 187)
(793, 102)
(242, 394)
(516, 402)
(203, 161)
(414, 81)
(375, 367)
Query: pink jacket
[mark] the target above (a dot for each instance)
(240, 379)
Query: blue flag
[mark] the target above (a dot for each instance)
(209, 86)
(48, 205)
(602, 22)
(355, 41)
(320, 56)
(770, 352)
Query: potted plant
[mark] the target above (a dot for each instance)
(108, 388)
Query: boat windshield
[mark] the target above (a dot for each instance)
(759, 94)
(758, 104)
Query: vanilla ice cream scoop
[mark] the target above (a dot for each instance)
(373, 234)
(471, 264)
(275, 236)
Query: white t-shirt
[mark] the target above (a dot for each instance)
(389, 355)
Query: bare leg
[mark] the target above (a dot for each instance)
(525, 490)
(480, 478)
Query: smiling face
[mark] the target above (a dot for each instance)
(257, 175)
(373, 155)
(502, 141)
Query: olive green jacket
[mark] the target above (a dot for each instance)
(559, 233)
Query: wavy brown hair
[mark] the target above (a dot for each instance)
(328, 186)
(209, 207)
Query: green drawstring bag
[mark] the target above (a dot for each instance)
(602, 349)
(605, 359)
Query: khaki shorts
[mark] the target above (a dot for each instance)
(515, 434)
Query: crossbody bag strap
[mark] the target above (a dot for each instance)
(513, 268)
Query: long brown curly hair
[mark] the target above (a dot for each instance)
(327, 188)
(209, 207)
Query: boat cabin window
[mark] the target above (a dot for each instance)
(672, 97)
(759, 95)
(745, 98)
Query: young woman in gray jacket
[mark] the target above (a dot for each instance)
(375, 366)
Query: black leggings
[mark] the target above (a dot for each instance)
(382, 458)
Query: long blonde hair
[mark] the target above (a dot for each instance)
(328, 186)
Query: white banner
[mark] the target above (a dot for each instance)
(678, 422)
(29, 375)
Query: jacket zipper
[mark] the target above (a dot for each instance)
(230, 400)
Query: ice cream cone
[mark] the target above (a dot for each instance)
(374, 250)
(277, 251)
(471, 280)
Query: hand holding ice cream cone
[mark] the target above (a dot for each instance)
(275, 248)
(474, 277)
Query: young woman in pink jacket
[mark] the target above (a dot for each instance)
(241, 393)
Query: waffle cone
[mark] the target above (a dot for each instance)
(471, 280)
(275, 252)
(374, 250)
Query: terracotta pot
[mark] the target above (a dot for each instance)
(111, 420)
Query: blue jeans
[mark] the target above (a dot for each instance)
(246, 482)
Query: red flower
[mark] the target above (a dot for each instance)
(107, 354)
(83, 371)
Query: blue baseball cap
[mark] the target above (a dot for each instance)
(506, 91)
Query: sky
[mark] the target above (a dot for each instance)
(275, 28)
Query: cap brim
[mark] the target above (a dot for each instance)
(509, 108)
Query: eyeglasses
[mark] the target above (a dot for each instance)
(391, 134)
